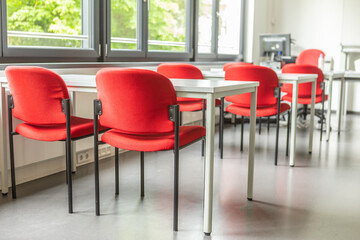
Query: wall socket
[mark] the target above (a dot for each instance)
(83, 156)
(104, 151)
(86, 156)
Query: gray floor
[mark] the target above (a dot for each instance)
(318, 199)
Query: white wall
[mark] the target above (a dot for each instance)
(322, 24)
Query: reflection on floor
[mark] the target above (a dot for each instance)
(318, 199)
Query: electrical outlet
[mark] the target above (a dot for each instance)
(83, 156)
(104, 151)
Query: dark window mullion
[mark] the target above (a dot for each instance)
(1, 30)
(215, 27)
(144, 27)
(242, 30)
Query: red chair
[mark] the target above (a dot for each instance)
(140, 108)
(304, 91)
(40, 99)
(187, 71)
(310, 57)
(268, 96)
(229, 64)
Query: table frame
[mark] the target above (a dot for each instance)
(295, 80)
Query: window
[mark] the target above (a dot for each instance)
(167, 25)
(229, 27)
(50, 25)
(120, 30)
(124, 25)
(220, 28)
(205, 26)
(149, 29)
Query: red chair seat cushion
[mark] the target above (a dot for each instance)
(152, 143)
(189, 106)
(79, 127)
(318, 99)
(260, 112)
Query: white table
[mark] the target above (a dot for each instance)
(350, 76)
(334, 76)
(294, 79)
(328, 75)
(206, 89)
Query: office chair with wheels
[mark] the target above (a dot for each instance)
(140, 108)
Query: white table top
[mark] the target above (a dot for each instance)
(180, 85)
(334, 74)
(352, 74)
(283, 77)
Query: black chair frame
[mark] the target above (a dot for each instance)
(65, 104)
(174, 116)
(277, 94)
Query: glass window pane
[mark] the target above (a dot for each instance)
(50, 23)
(229, 27)
(167, 23)
(205, 26)
(124, 24)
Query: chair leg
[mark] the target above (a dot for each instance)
(242, 133)
(268, 125)
(11, 147)
(96, 173)
(116, 171)
(12, 164)
(322, 115)
(287, 133)
(68, 174)
(176, 172)
(305, 111)
(203, 123)
(96, 159)
(277, 135)
(234, 120)
(221, 132)
(260, 126)
(68, 154)
(142, 174)
(181, 118)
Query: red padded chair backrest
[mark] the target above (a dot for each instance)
(135, 101)
(266, 77)
(310, 57)
(180, 70)
(229, 64)
(304, 88)
(37, 94)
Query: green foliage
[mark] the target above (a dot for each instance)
(44, 16)
(166, 22)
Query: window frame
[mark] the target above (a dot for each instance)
(214, 55)
(1, 30)
(141, 34)
(46, 52)
(101, 34)
(142, 28)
